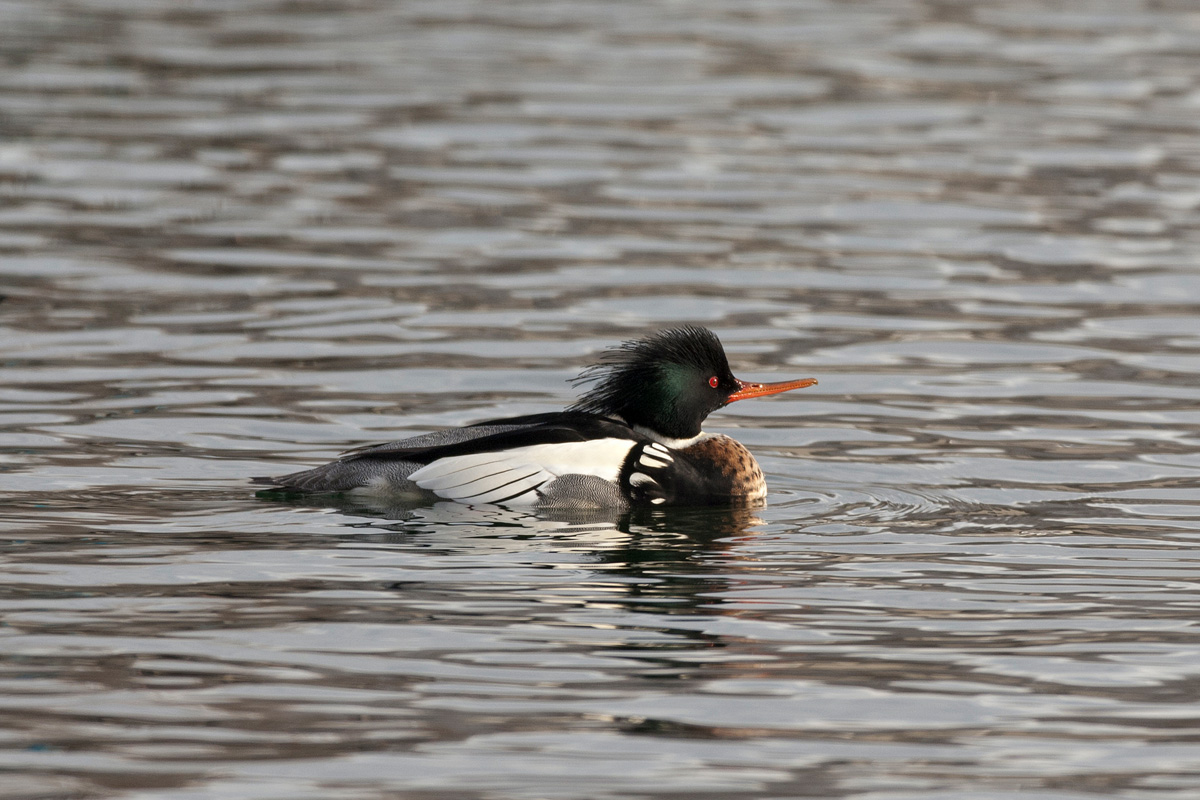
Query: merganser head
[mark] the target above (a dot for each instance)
(669, 382)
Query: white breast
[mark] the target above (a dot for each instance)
(513, 476)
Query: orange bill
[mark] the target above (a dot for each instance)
(746, 390)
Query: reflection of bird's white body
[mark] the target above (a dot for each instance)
(634, 439)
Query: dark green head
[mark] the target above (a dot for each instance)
(668, 382)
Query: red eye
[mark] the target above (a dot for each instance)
(714, 382)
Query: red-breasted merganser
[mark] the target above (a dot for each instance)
(633, 439)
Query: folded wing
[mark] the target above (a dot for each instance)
(516, 475)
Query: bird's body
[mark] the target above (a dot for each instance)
(634, 439)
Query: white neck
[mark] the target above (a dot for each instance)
(674, 444)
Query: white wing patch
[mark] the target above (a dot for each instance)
(640, 479)
(654, 448)
(513, 476)
(655, 456)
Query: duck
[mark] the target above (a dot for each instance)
(633, 439)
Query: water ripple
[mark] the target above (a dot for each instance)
(236, 240)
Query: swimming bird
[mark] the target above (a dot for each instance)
(634, 438)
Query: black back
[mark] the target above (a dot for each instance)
(555, 427)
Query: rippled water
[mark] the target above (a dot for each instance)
(240, 237)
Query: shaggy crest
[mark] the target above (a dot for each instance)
(659, 382)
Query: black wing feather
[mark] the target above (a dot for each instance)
(553, 428)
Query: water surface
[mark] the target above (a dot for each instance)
(238, 238)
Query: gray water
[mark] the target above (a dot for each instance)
(238, 237)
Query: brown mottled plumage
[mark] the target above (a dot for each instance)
(735, 465)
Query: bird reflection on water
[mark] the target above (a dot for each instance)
(655, 561)
(705, 524)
